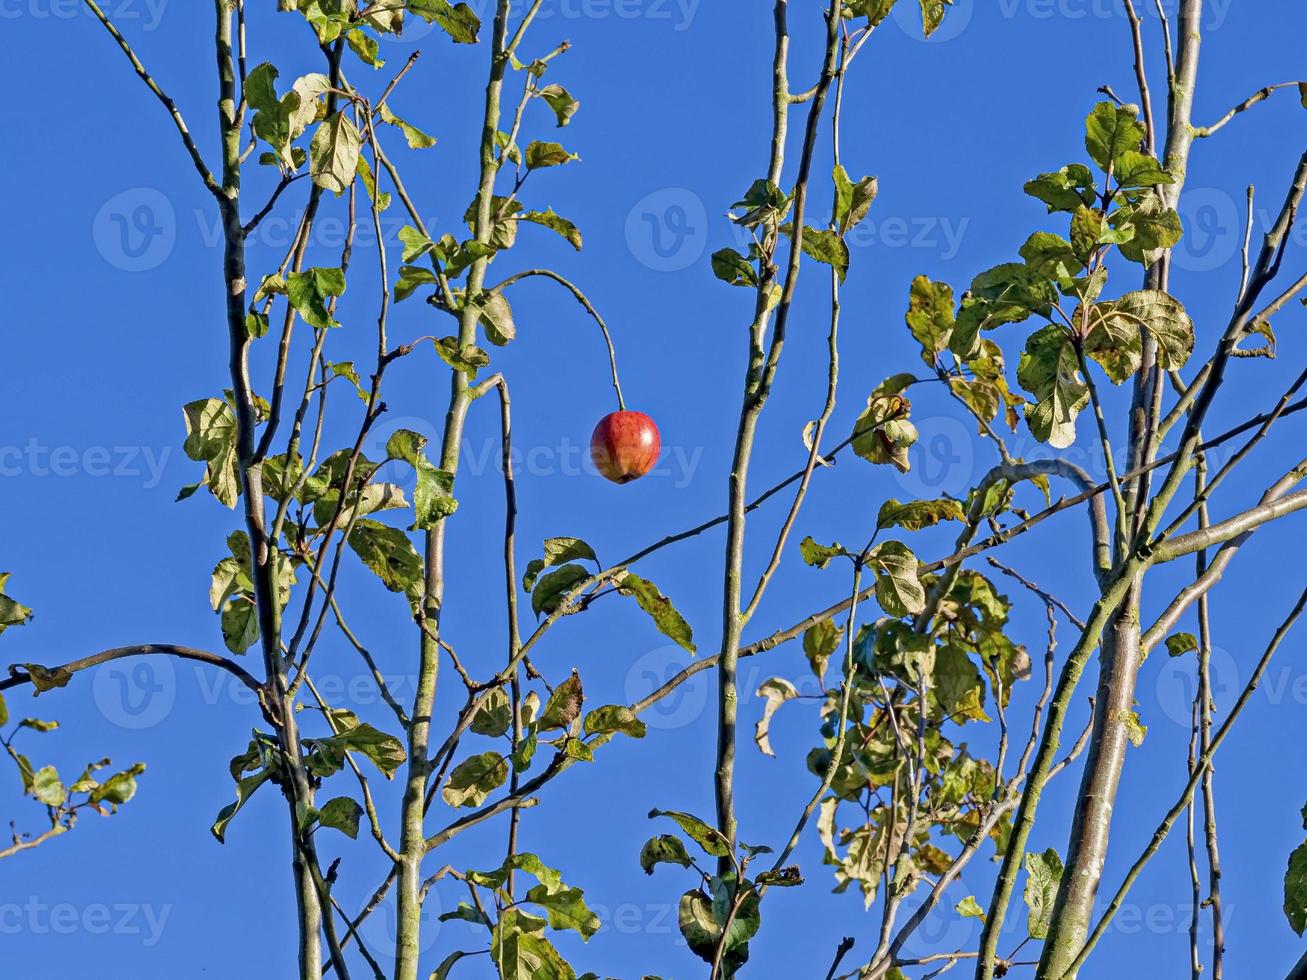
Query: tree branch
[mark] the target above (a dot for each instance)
(206, 175)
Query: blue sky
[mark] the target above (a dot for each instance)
(111, 270)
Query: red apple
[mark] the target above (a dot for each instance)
(625, 446)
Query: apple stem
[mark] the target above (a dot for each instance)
(589, 308)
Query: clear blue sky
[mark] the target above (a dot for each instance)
(113, 321)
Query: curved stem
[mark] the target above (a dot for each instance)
(589, 308)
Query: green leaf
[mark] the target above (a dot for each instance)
(565, 908)
(883, 433)
(1135, 730)
(1043, 873)
(1147, 229)
(969, 908)
(958, 685)
(1178, 644)
(664, 849)
(469, 359)
(557, 551)
(410, 278)
(494, 717)
(244, 790)
(365, 46)
(932, 14)
(520, 952)
(930, 316)
(240, 623)
(1114, 342)
(1295, 889)
(874, 10)
(416, 139)
(917, 514)
(334, 153)
(852, 201)
(820, 555)
(1134, 169)
(898, 588)
(385, 751)
(12, 613)
(474, 779)
(391, 556)
(47, 787)
(341, 813)
(1163, 316)
(1050, 370)
(613, 718)
(1110, 132)
(497, 318)
(551, 590)
(211, 439)
(544, 154)
(433, 493)
(826, 247)
(415, 244)
(564, 706)
(763, 202)
(561, 101)
(1065, 190)
(309, 292)
(46, 678)
(733, 268)
(819, 643)
(777, 690)
(554, 222)
(711, 840)
(703, 920)
(660, 609)
(1051, 256)
(458, 21)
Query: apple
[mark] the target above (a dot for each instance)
(625, 445)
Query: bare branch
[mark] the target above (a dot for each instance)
(201, 167)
